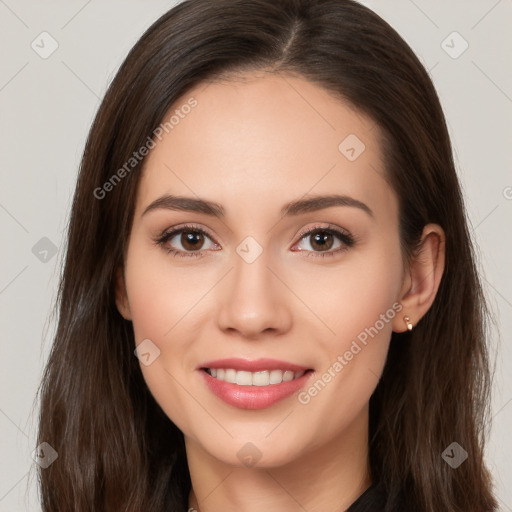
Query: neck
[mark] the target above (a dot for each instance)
(326, 477)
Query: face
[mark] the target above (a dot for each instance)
(269, 276)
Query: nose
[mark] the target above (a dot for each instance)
(252, 301)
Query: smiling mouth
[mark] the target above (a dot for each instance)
(260, 378)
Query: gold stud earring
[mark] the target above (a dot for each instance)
(407, 321)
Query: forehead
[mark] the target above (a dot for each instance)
(264, 136)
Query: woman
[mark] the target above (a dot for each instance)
(268, 214)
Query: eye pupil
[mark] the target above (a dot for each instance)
(322, 240)
(192, 240)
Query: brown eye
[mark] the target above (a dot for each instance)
(187, 241)
(192, 240)
(324, 241)
(321, 240)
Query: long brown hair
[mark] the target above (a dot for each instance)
(117, 450)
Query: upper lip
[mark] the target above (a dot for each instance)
(256, 365)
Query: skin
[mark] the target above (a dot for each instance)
(253, 144)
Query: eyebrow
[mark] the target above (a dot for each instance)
(190, 204)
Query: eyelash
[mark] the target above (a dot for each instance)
(345, 237)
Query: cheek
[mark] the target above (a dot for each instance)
(358, 305)
(168, 305)
(359, 295)
(359, 309)
(162, 300)
(161, 293)
(365, 300)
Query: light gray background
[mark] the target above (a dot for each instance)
(47, 106)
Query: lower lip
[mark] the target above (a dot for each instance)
(253, 397)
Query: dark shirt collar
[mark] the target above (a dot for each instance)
(372, 500)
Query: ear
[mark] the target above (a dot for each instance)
(423, 277)
(122, 303)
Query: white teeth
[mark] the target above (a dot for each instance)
(230, 376)
(260, 379)
(243, 378)
(276, 376)
(263, 378)
(287, 375)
